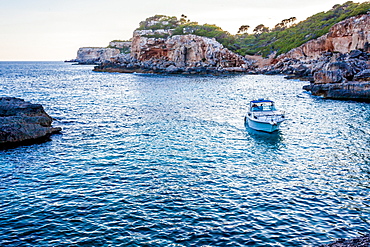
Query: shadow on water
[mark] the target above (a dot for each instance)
(41, 140)
(272, 140)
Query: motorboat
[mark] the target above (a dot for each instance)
(263, 116)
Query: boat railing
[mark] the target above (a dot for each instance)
(268, 113)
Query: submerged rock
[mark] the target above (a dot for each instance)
(22, 122)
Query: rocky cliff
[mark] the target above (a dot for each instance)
(23, 122)
(335, 64)
(345, 36)
(184, 51)
(89, 55)
(340, 56)
(175, 54)
(120, 44)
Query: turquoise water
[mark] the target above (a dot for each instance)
(152, 160)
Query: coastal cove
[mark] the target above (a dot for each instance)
(333, 57)
(163, 160)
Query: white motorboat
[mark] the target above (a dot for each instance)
(262, 115)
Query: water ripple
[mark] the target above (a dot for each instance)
(167, 161)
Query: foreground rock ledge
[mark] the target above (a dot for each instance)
(363, 241)
(22, 122)
(359, 91)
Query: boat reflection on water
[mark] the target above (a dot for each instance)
(270, 139)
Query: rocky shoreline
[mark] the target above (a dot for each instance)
(179, 54)
(23, 123)
(332, 75)
(336, 64)
(128, 64)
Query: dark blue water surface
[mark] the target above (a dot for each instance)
(152, 160)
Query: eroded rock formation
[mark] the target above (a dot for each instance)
(336, 64)
(339, 57)
(346, 77)
(23, 122)
(185, 51)
(120, 44)
(345, 36)
(175, 54)
(88, 55)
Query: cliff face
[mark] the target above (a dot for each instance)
(184, 51)
(336, 64)
(87, 55)
(345, 36)
(339, 57)
(120, 44)
(159, 52)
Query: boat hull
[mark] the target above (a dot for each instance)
(262, 126)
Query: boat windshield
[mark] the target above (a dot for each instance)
(263, 107)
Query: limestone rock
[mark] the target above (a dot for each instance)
(362, 241)
(88, 55)
(184, 50)
(325, 76)
(345, 91)
(363, 75)
(335, 79)
(155, 51)
(345, 36)
(22, 121)
(120, 44)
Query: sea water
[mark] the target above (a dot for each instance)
(166, 160)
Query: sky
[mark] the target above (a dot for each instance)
(53, 30)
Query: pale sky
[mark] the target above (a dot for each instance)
(53, 30)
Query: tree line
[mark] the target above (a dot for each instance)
(284, 36)
(284, 24)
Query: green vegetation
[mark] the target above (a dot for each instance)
(282, 38)
(157, 35)
(264, 41)
(206, 30)
(124, 49)
(159, 22)
(118, 40)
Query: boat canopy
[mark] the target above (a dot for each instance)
(261, 101)
(262, 105)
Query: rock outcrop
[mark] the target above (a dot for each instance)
(184, 51)
(340, 57)
(345, 36)
(336, 64)
(363, 241)
(349, 37)
(346, 77)
(120, 44)
(89, 55)
(23, 122)
(186, 54)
